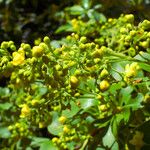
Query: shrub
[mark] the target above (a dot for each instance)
(79, 92)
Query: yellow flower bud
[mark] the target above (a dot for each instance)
(62, 119)
(37, 51)
(25, 111)
(18, 58)
(74, 81)
(104, 85)
(66, 129)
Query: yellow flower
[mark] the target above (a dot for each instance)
(37, 51)
(18, 58)
(66, 129)
(25, 111)
(62, 119)
(137, 140)
(42, 125)
(75, 24)
(131, 70)
(104, 85)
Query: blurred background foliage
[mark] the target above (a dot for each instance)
(23, 21)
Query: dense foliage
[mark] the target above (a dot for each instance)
(72, 79)
(89, 90)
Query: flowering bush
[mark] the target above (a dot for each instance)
(81, 92)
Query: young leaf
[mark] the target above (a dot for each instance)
(55, 127)
(86, 4)
(70, 113)
(48, 145)
(36, 141)
(76, 10)
(125, 95)
(88, 102)
(136, 102)
(4, 132)
(5, 106)
(145, 66)
(109, 140)
(64, 28)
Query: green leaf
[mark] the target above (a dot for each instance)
(136, 102)
(117, 69)
(126, 114)
(99, 16)
(71, 112)
(139, 57)
(43, 143)
(55, 127)
(4, 132)
(76, 10)
(28, 148)
(88, 102)
(42, 90)
(4, 92)
(48, 145)
(116, 75)
(125, 95)
(100, 148)
(109, 140)
(86, 4)
(91, 84)
(114, 87)
(145, 66)
(36, 141)
(64, 28)
(145, 55)
(5, 106)
(115, 123)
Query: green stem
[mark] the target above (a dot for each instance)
(84, 144)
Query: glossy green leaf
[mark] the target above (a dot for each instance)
(42, 90)
(48, 145)
(91, 84)
(64, 28)
(100, 148)
(126, 114)
(125, 95)
(36, 141)
(109, 140)
(115, 122)
(114, 87)
(145, 55)
(4, 92)
(5, 106)
(99, 17)
(86, 4)
(88, 102)
(43, 143)
(75, 10)
(145, 66)
(4, 132)
(116, 75)
(117, 69)
(55, 127)
(140, 58)
(135, 103)
(71, 112)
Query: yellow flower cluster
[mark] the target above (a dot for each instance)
(18, 57)
(131, 71)
(25, 111)
(75, 24)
